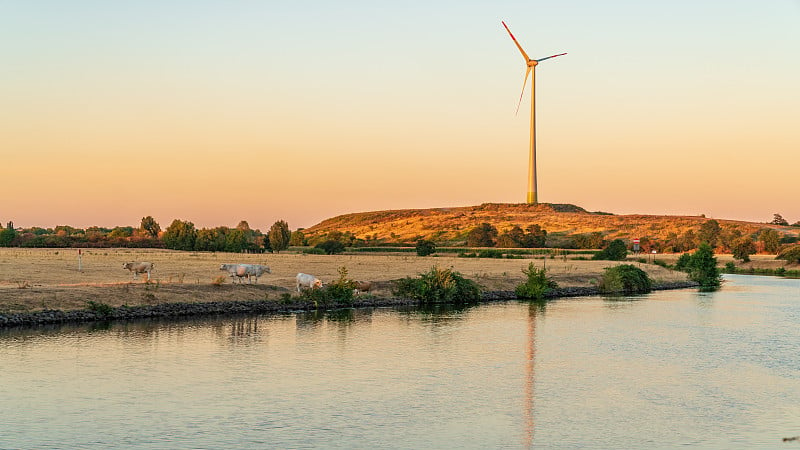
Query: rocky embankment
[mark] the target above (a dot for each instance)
(176, 310)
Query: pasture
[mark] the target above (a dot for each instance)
(36, 279)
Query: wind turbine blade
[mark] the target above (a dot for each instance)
(553, 56)
(524, 55)
(524, 82)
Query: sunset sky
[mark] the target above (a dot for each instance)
(216, 112)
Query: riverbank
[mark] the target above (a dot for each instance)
(103, 312)
(40, 286)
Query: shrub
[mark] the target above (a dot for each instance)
(538, 285)
(438, 286)
(425, 247)
(314, 251)
(331, 247)
(99, 308)
(490, 254)
(790, 254)
(615, 251)
(703, 267)
(339, 292)
(730, 267)
(682, 263)
(625, 279)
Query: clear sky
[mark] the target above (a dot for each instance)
(217, 112)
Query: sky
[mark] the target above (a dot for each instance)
(216, 112)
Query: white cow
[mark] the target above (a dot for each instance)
(139, 267)
(307, 281)
(245, 270)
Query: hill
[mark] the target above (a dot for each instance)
(562, 221)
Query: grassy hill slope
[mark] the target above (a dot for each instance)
(450, 225)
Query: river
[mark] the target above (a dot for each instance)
(668, 369)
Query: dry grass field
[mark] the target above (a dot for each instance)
(35, 279)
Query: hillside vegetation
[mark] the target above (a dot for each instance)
(449, 226)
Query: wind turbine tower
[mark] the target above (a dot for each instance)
(530, 69)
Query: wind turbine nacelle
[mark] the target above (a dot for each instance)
(532, 63)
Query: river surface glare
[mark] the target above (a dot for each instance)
(669, 369)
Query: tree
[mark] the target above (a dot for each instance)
(683, 262)
(150, 226)
(535, 237)
(180, 235)
(615, 251)
(770, 239)
(777, 219)
(590, 240)
(709, 232)
(279, 236)
(331, 247)
(743, 248)
(703, 267)
(790, 254)
(298, 239)
(7, 235)
(482, 236)
(425, 247)
(688, 241)
(729, 238)
(236, 240)
(512, 238)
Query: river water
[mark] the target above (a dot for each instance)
(669, 369)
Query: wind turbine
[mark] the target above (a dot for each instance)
(530, 69)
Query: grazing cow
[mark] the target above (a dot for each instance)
(139, 267)
(245, 271)
(307, 281)
(362, 286)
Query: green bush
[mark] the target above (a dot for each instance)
(730, 267)
(538, 285)
(339, 292)
(490, 254)
(615, 251)
(331, 247)
(99, 308)
(438, 286)
(625, 279)
(425, 247)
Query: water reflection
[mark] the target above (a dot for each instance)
(670, 369)
(530, 373)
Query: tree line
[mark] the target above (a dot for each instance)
(179, 235)
(722, 240)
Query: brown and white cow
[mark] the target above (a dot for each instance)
(139, 267)
(362, 286)
(245, 271)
